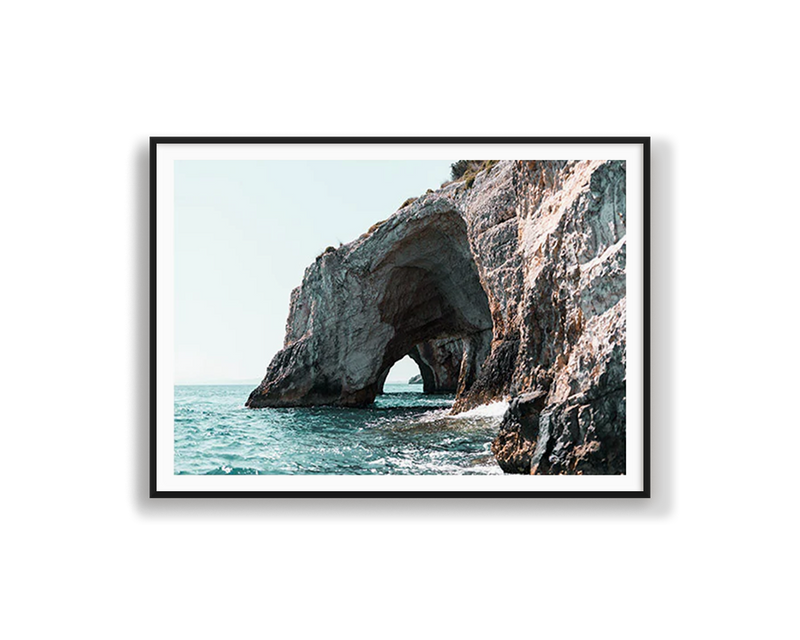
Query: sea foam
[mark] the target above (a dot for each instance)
(491, 410)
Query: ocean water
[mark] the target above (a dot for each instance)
(404, 432)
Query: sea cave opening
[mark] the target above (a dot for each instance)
(404, 376)
(435, 303)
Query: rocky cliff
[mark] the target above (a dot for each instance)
(509, 285)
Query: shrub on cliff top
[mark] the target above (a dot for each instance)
(467, 170)
(458, 169)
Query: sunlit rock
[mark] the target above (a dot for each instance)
(507, 286)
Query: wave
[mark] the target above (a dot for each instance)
(491, 410)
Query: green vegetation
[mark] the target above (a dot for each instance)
(466, 170)
(459, 168)
(408, 202)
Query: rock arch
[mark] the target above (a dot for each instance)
(409, 287)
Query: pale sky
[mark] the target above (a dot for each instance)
(244, 233)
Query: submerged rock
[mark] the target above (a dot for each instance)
(510, 285)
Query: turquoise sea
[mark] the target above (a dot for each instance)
(404, 432)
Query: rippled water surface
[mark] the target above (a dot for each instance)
(404, 432)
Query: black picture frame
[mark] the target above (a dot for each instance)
(644, 142)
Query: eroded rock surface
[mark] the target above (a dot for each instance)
(439, 363)
(408, 282)
(511, 286)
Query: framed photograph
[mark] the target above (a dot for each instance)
(384, 317)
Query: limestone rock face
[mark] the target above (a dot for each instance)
(509, 286)
(558, 349)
